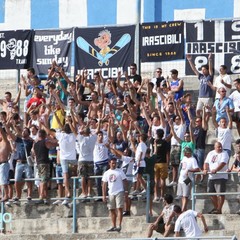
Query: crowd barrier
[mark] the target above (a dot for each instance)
(75, 198)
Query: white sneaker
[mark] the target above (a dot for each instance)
(135, 192)
(82, 195)
(171, 184)
(65, 202)
(8, 203)
(143, 192)
(57, 202)
(156, 199)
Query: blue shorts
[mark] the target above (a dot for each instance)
(67, 164)
(23, 170)
(59, 173)
(4, 172)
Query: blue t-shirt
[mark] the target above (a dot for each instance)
(205, 91)
(221, 108)
(179, 93)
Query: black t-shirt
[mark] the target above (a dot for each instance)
(136, 77)
(200, 137)
(159, 80)
(161, 150)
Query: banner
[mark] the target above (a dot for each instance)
(15, 49)
(221, 38)
(49, 45)
(110, 49)
(162, 41)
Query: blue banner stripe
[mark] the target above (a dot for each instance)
(2, 11)
(44, 14)
(102, 12)
(214, 9)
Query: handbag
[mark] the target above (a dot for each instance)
(187, 180)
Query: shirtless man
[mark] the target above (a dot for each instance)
(5, 150)
(7, 103)
(94, 105)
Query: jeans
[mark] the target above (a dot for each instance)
(99, 169)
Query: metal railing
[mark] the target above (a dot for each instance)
(195, 195)
(75, 197)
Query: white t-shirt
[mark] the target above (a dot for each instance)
(217, 83)
(141, 148)
(187, 221)
(235, 96)
(155, 128)
(127, 166)
(85, 147)
(100, 152)
(187, 163)
(180, 131)
(114, 178)
(67, 143)
(225, 137)
(214, 159)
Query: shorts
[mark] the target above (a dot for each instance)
(175, 154)
(23, 170)
(68, 166)
(44, 172)
(85, 169)
(4, 172)
(116, 201)
(203, 101)
(59, 173)
(141, 170)
(160, 226)
(236, 117)
(183, 190)
(161, 170)
(217, 185)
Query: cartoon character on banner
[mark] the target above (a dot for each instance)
(102, 42)
(12, 46)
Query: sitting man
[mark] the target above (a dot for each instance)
(165, 222)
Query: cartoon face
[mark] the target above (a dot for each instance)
(103, 40)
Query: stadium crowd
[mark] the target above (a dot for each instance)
(75, 128)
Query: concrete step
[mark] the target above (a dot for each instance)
(95, 228)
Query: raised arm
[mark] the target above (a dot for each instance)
(210, 65)
(174, 133)
(189, 58)
(18, 95)
(215, 124)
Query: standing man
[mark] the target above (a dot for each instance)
(206, 79)
(86, 143)
(235, 96)
(23, 143)
(5, 151)
(188, 166)
(187, 221)
(41, 151)
(217, 160)
(116, 181)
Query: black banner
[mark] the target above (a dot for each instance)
(110, 49)
(221, 38)
(49, 45)
(15, 49)
(162, 41)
